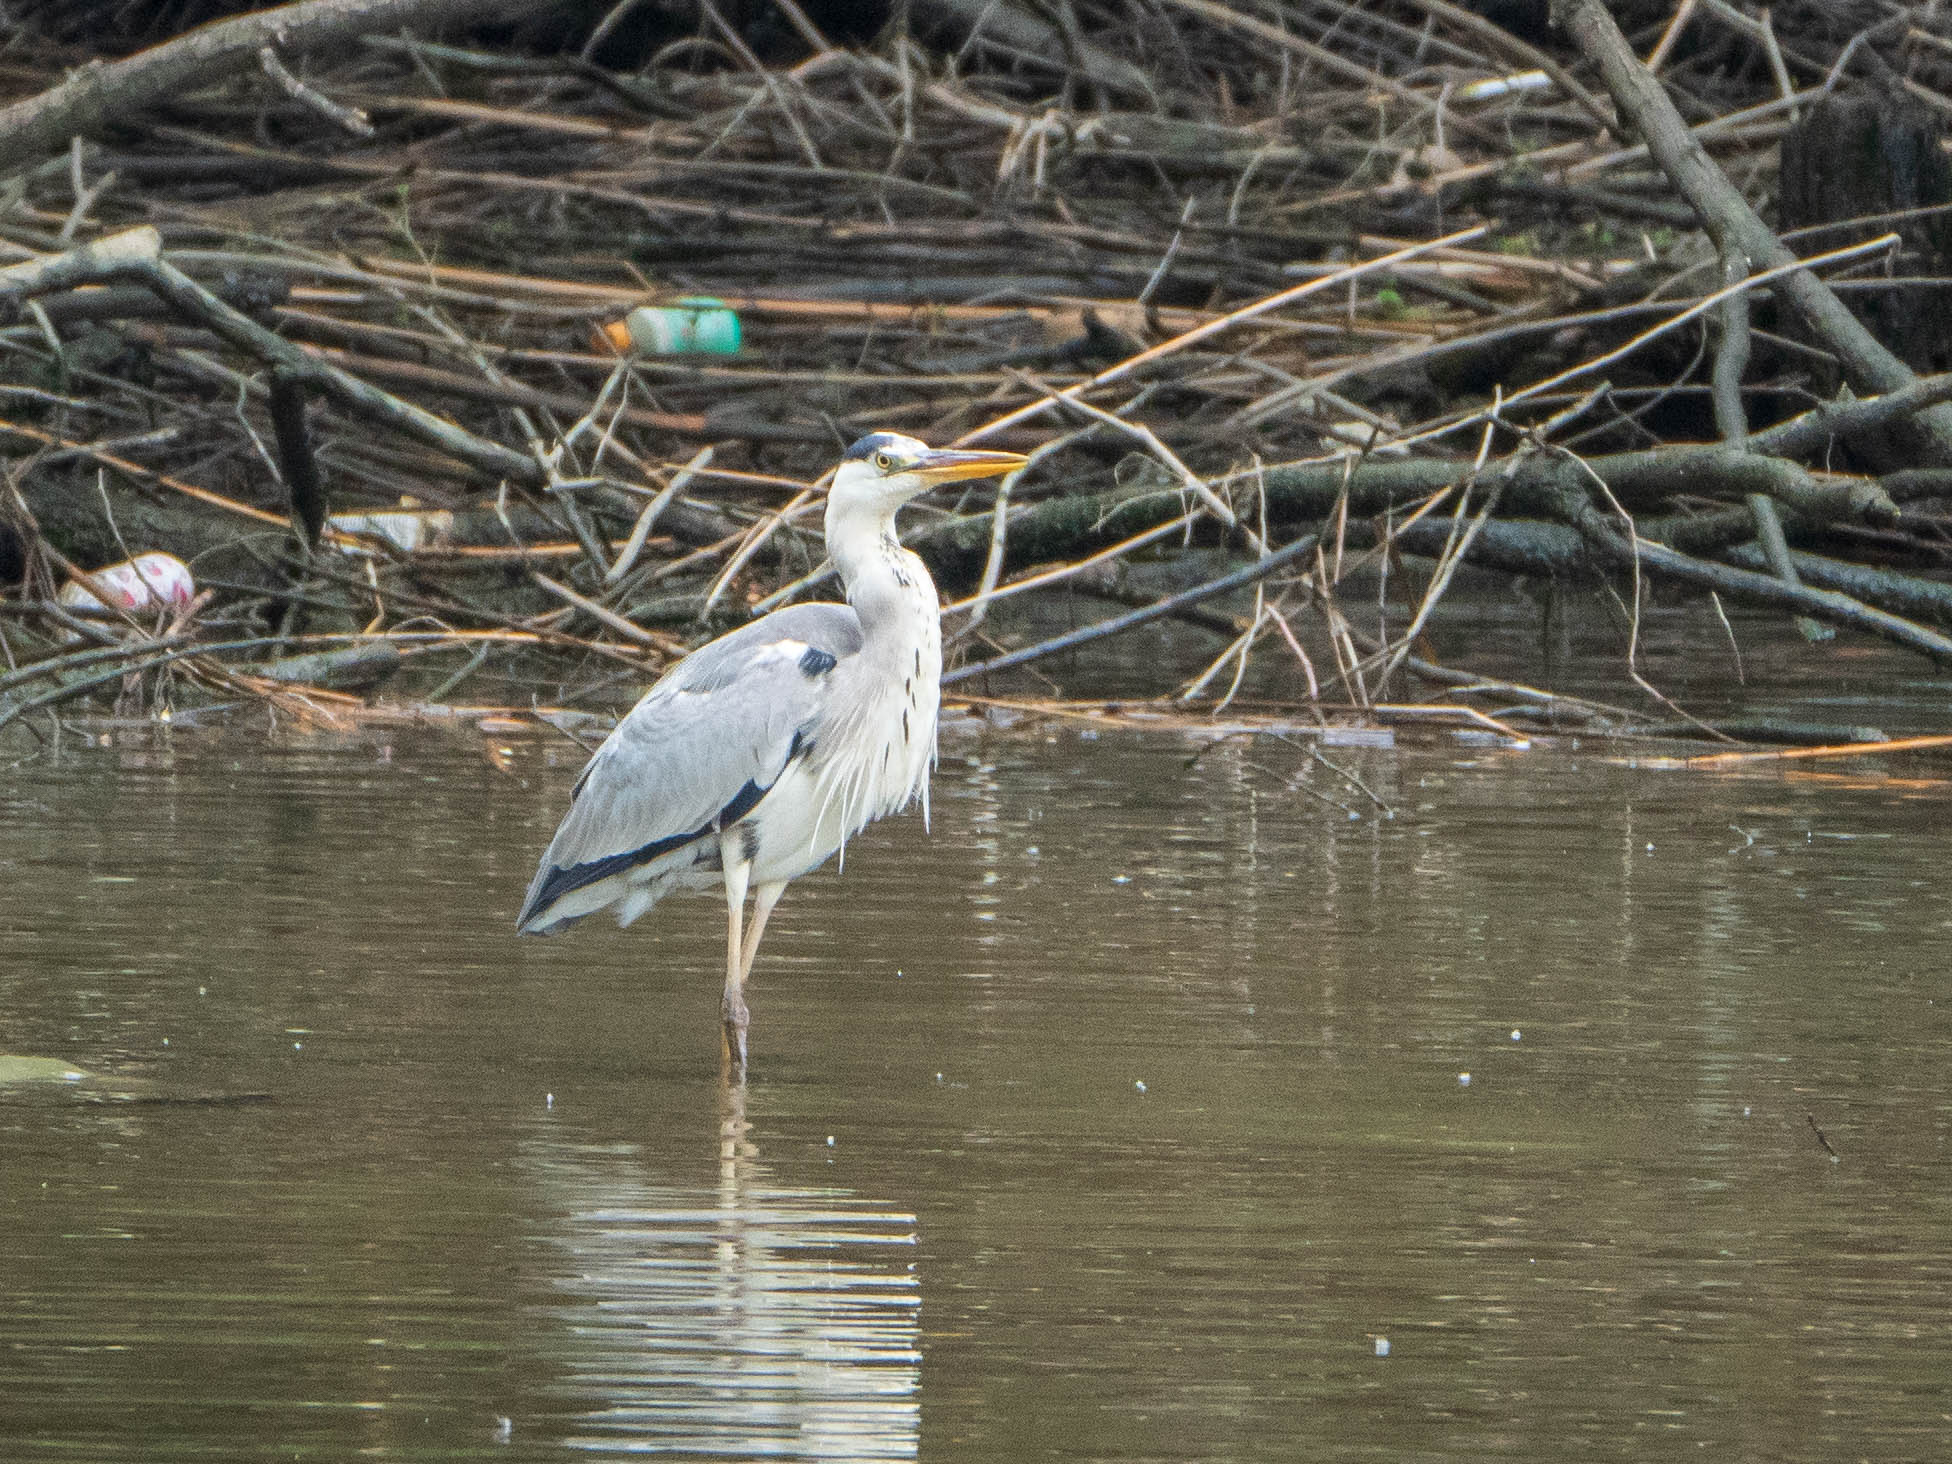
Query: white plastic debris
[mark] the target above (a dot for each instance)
(1502, 86)
(406, 529)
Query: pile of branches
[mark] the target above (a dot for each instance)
(326, 301)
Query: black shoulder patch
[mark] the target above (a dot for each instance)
(816, 662)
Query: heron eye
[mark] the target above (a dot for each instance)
(883, 462)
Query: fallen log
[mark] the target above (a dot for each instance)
(349, 668)
(1073, 525)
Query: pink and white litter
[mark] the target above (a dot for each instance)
(141, 583)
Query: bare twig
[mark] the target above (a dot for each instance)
(351, 119)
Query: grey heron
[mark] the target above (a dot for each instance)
(756, 757)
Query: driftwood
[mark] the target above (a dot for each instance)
(1440, 303)
(1579, 547)
(1736, 228)
(137, 255)
(101, 94)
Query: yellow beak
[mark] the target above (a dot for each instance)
(947, 464)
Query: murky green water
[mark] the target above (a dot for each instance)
(1123, 1118)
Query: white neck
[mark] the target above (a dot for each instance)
(893, 682)
(885, 583)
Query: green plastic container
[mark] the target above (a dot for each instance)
(696, 325)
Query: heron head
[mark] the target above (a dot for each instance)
(885, 469)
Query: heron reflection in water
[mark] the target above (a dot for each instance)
(742, 1320)
(753, 760)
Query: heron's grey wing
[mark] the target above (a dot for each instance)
(699, 751)
(832, 629)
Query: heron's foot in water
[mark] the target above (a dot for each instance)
(735, 1018)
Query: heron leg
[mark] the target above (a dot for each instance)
(739, 965)
(764, 897)
(732, 1008)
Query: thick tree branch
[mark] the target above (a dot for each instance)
(1735, 227)
(1062, 527)
(137, 256)
(1812, 432)
(1602, 531)
(104, 92)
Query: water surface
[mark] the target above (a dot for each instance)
(1126, 1116)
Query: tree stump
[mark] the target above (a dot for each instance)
(1874, 151)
